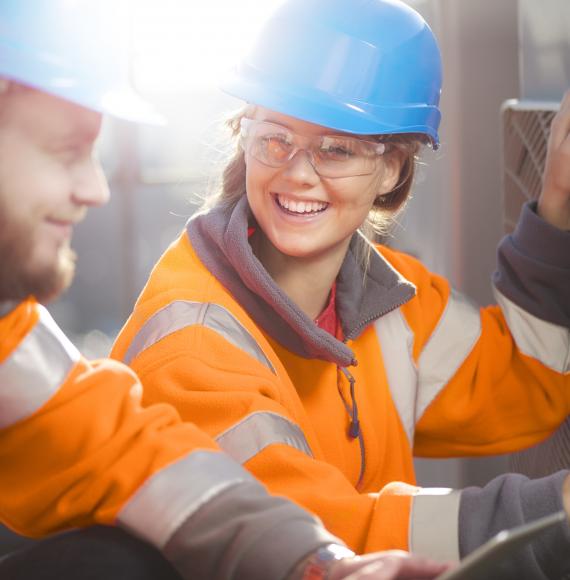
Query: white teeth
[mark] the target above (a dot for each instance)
(301, 206)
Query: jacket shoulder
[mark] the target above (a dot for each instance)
(410, 267)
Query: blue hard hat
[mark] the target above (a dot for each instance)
(359, 66)
(74, 49)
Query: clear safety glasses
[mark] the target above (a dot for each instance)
(330, 155)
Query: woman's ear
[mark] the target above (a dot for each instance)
(393, 161)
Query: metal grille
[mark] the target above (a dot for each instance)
(525, 136)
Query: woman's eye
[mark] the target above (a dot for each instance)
(276, 144)
(337, 151)
(282, 139)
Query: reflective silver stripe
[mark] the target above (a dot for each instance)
(413, 387)
(434, 524)
(451, 342)
(257, 431)
(33, 373)
(181, 313)
(396, 342)
(173, 494)
(536, 338)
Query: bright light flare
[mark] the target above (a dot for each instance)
(185, 44)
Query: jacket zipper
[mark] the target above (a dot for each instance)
(354, 430)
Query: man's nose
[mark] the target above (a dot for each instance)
(90, 187)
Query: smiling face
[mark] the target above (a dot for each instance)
(303, 215)
(48, 179)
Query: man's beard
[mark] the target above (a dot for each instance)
(19, 280)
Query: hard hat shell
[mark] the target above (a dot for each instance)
(74, 49)
(359, 66)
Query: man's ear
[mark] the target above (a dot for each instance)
(4, 85)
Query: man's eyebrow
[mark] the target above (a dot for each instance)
(75, 137)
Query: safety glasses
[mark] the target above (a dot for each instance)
(331, 156)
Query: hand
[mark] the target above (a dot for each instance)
(390, 565)
(554, 200)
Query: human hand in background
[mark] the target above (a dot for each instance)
(389, 565)
(554, 200)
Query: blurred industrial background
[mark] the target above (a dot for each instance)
(493, 50)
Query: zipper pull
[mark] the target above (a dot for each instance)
(354, 428)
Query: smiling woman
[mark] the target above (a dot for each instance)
(280, 193)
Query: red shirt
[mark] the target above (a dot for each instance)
(327, 319)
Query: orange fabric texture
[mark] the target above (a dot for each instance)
(499, 400)
(16, 325)
(216, 385)
(80, 457)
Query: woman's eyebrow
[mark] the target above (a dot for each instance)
(324, 132)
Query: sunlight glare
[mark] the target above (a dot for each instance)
(184, 44)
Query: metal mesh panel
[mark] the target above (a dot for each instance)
(525, 136)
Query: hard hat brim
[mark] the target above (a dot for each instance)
(339, 114)
(119, 102)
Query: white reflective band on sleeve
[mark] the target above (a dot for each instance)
(180, 314)
(255, 432)
(536, 338)
(451, 342)
(434, 524)
(35, 370)
(176, 492)
(396, 342)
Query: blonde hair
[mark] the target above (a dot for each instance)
(385, 207)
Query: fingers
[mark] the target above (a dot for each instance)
(391, 565)
(560, 127)
(554, 200)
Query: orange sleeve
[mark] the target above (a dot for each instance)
(78, 459)
(217, 386)
(497, 399)
(15, 326)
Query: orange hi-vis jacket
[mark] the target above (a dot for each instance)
(77, 448)
(334, 425)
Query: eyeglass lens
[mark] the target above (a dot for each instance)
(330, 155)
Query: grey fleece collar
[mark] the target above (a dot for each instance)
(7, 307)
(220, 239)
